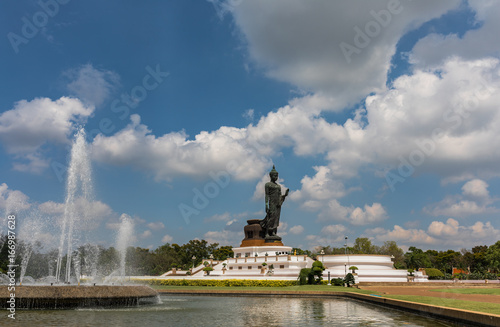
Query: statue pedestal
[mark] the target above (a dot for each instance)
(271, 249)
(254, 236)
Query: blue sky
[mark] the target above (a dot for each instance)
(380, 116)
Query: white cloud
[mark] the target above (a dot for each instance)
(438, 228)
(224, 237)
(474, 200)
(477, 43)
(90, 84)
(32, 124)
(51, 207)
(399, 234)
(449, 233)
(147, 233)
(295, 230)
(249, 114)
(226, 216)
(329, 235)
(476, 188)
(458, 99)
(173, 154)
(320, 187)
(13, 201)
(354, 215)
(301, 44)
(156, 225)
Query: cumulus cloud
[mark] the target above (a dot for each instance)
(223, 237)
(13, 201)
(476, 188)
(90, 84)
(295, 230)
(302, 44)
(156, 225)
(167, 239)
(147, 233)
(173, 154)
(474, 200)
(477, 43)
(354, 215)
(31, 124)
(329, 235)
(398, 233)
(449, 233)
(320, 187)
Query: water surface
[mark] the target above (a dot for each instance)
(175, 310)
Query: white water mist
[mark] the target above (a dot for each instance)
(79, 185)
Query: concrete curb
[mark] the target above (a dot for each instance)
(450, 314)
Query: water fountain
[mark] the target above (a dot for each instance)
(60, 293)
(79, 185)
(124, 234)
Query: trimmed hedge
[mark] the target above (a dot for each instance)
(434, 273)
(221, 282)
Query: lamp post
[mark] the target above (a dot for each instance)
(322, 255)
(346, 251)
(193, 258)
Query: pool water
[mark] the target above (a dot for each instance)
(175, 310)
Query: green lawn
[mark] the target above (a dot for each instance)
(486, 307)
(489, 291)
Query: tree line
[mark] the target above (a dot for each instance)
(477, 263)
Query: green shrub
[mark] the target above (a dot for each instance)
(304, 276)
(317, 271)
(349, 280)
(434, 273)
(337, 282)
(220, 283)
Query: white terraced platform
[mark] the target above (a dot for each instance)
(248, 264)
(371, 268)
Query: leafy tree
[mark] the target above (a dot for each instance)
(392, 249)
(492, 257)
(363, 245)
(446, 260)
(223, 252)
(4, 253)
(317, 271)
(479, 263)
(109, 261)
(299, 251)
(416, 258)
(329, 250)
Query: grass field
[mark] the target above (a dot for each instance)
(489, 291)
(493, 308)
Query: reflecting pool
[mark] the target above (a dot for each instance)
(177, 310)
